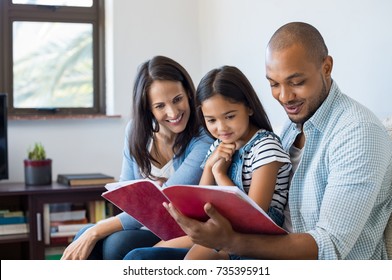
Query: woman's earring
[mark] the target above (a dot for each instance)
(155, 125)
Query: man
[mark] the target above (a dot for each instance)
(340, 194)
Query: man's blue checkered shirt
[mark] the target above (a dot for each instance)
(341, 193)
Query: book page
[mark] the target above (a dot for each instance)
(230, 189)
(116, 185)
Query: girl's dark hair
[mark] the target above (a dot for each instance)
(144, 124)
(231, 83)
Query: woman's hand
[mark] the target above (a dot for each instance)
(81, 248)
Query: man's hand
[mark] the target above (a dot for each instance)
(215, 233)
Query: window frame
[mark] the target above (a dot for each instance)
(10, 12)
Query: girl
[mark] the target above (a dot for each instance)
(246, 152)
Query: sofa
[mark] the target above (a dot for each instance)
(388, 230)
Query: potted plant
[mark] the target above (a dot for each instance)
(37, 168)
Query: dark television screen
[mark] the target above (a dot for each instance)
(3, 137)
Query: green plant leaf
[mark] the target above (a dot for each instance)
(37, 153)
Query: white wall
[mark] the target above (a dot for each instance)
(357, 33)
(203, 34)
(139, 30)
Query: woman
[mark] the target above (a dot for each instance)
(164, 142)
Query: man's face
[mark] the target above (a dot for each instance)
(298, 83)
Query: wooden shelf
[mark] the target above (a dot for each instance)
(14, 238)
(31, 199)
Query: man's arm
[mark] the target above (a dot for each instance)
(290, 246)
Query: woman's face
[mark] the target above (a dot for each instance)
(169, 104)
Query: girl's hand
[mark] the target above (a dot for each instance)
(220, 168)
(224, 151)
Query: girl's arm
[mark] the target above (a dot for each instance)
(219, 171)
(263, 184)
(207, 178)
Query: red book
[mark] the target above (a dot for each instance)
(61, 240)
(142, 199)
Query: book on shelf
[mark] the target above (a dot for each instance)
(60, 240)
(70, 228)
(84, 179)
(68, 215)
(12, 220)
(8, 214)
(63, 234)
(14, 229)
(142, 199)
(96, 210)
(67, 226)
(8, 217)
(53, 219)
(68, 222)
(54, 253)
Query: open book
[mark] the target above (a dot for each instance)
(142, 199)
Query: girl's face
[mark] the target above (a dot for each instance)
(170, 106)
(226, 120)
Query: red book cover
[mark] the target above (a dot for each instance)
(142, 199)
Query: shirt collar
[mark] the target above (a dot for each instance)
(323, 112)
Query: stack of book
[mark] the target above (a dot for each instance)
(61, 227)
(13, 222)
(84, 179)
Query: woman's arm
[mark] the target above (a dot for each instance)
(81, 248)
(188, 170)
(129, 166)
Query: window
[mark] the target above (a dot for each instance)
(52, 56)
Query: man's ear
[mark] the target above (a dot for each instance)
(327, 66)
